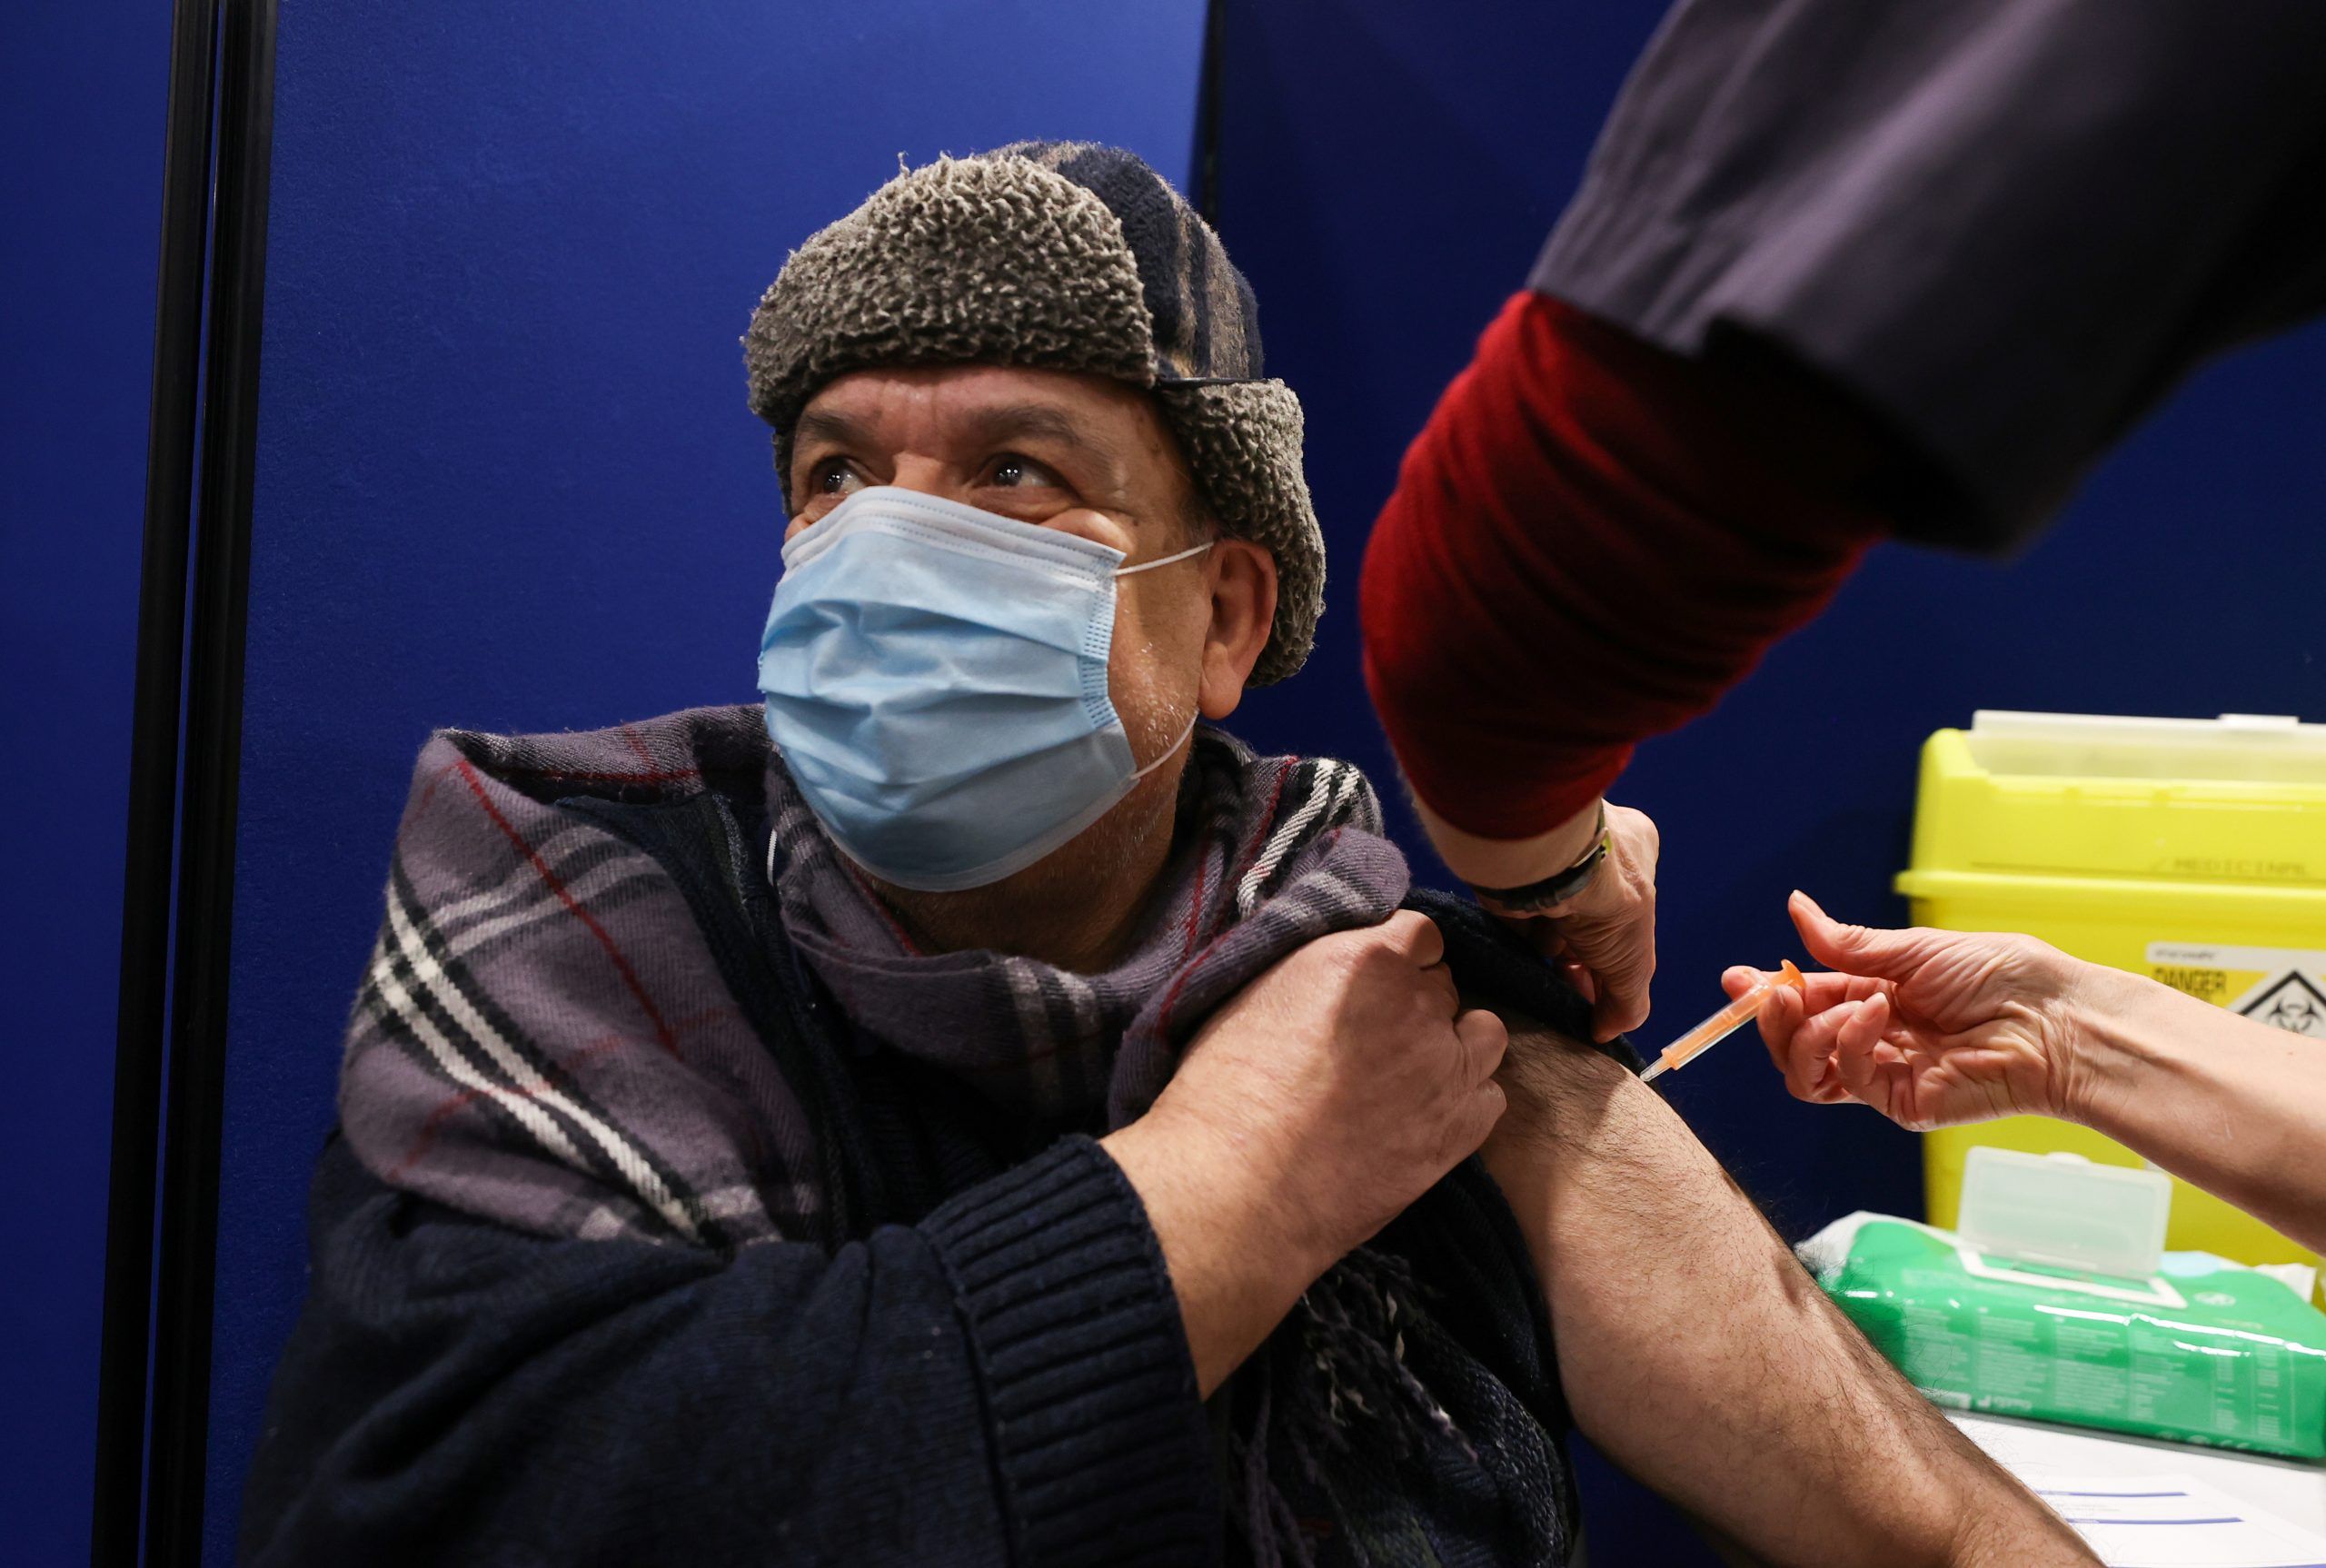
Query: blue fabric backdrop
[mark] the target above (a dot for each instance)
(82, 91)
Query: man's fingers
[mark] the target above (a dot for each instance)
(1416, 936)
(1438, 980)
(1483, 1040)
(1487, 1103)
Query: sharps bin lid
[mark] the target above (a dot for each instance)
(2239, 748)
(2238, 801)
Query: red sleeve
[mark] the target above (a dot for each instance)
(1584, 549)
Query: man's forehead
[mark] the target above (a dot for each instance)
(978, 404)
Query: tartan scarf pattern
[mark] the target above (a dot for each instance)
(542, 1038)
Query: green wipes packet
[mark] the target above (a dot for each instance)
(2203, 1351)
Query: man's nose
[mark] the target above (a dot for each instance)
(932, 476)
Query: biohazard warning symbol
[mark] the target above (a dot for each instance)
(2290, 1003)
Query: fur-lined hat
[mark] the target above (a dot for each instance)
(1060, 255)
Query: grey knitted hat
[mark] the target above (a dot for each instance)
(1061, 255)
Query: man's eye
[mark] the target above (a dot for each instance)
(837, 478)
(1016, 472)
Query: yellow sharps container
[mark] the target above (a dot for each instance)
(2189, 850)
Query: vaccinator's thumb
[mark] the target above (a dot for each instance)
(1853, 950)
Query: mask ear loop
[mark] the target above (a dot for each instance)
(1190, 729)
(1166, 560)
(1167, 750)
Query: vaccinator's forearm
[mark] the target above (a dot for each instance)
(2229, 1105)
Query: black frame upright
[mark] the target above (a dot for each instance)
(177, 905)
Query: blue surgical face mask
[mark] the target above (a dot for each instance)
(936, 679)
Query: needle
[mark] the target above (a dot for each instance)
(1724, 1023)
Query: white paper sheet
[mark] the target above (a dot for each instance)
(2287, 1489)
(2173, 1520)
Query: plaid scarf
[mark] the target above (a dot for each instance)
(542, 1037)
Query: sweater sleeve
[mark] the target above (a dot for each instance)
(1006, 1382)
(1588, 544)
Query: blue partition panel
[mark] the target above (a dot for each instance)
(81, 99)
(1387, 173)
(507, 479)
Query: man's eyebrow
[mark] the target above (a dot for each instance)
(837, 429)
(1010, 421)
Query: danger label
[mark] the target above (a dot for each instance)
(2284, 988)
(2291, 1002)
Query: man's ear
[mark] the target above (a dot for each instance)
(1242, 578)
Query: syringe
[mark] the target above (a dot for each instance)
(1724, 1023)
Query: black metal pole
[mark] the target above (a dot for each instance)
(213, 717)
(205, 892)
(142, 1011)
(1205, 172)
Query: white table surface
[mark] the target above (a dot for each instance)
(2293, 1490)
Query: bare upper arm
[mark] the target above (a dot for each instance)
(1698, 1354)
